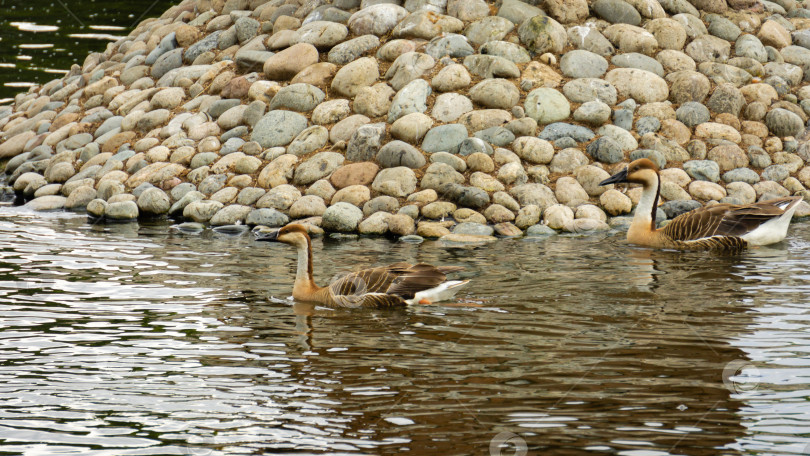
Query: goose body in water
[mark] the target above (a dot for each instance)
(723, 227)
(395, 285)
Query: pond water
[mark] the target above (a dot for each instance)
(133, 339)
(41, 39)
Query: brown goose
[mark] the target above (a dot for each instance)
(725, 227)
(395, 285)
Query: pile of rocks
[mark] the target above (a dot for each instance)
(422, 116)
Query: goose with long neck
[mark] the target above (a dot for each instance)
(395, 285)
(726, 227)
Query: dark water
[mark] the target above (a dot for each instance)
(41, 39)
(122, 339)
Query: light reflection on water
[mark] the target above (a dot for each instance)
(123, 339)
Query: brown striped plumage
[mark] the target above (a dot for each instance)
(721, 227)
(381, 287)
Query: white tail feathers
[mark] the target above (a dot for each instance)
(443, 292)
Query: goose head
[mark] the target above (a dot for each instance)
(293, 234)
(641, 171)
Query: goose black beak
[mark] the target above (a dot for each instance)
(617, 178)
(269, 237)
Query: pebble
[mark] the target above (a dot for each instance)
(547, 106)
(583, 64)
(278, 128)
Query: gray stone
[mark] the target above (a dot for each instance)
(309, 140)
(616, 12)
(583, 64)
(209, 43)
(472, 197)
(723, 28)
(167, 62)
(203, 159)
(606, 150)
(797, 55)
(400, 153)
(298, 97)
(450, 44)
(457, 163)
(319, 166)
(555, 131)
(726, 98)
(640, 61)
(623, 118)
(377, 19)
(230, 215)
(201, 211)
(497, 136)
(673, 209)
(593, 113)
(444, 138)
(278, 128)
(517, 11)
(397, 182)
(540, 231)
(705, 170)
(473, 228)
(782, 122)
(212, 184)
(382, 203)
(750, 46)
(507, 50)
(353, 49)
(547, 105)
(48, 203)
(542, 34)
(341, 217)
(692, 113)
(321, 34)
(746, 175)
(408, 67)
(154, 201)
(655, 156)
(584, 90)
(776, 173)
(647, 124)
(366, 142)
(185, 200)
(490, 28)
(219, 107)
(266, 217)
(491, 66)
(124, 210)
(590, 39)
(470, 146)
(495, 93)
(411, 98)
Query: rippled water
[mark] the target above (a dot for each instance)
(41, 39)
(123, 339)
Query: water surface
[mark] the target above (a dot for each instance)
(41, 39)
(123, 339)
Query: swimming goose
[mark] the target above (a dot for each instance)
(395, 285)
(726, 227)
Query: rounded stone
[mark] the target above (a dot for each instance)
(546, 105)
(782, 122)
(341, 217)
(583, 64)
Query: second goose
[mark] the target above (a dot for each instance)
(725, 227)
(395, 285)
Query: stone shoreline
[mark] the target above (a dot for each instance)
(441, 118)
